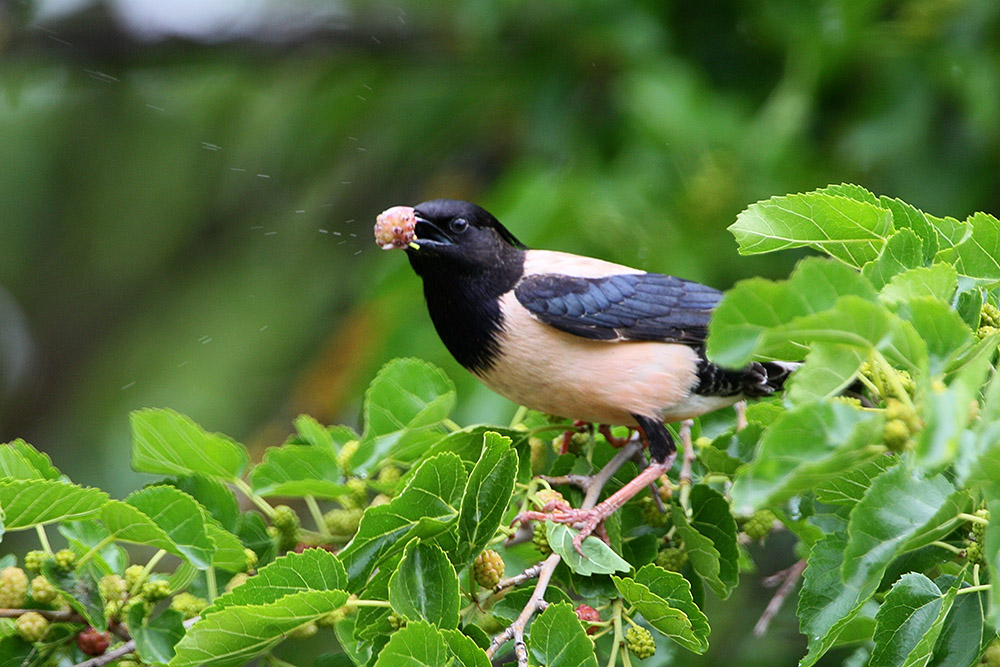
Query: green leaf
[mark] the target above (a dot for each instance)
(404, 407)
(826, 603)
(938, 281)
(950, 233)
(40, 461)
(419, 644)
(214, 495)
(180, 517)
(597, 558)
(298, 471)
(900, 512)
(991, 554)
(828, 369)
(978, 255)
(155, 639)
(169, 443)
(128, 524)
(904, 250)
(750, 316)
(664, 600)
(236, 634)
(486, 496)
(14, 465)
(312, 570)
(425, 586)
(465, 650)
(941, 328)
(905, 216)
(912, 609)
(311, 432)
(426, 507)
(848, 229)
(80, 592)
(711, 517)
(34, 502)
(558, 639)
(803, 447)
(90, 534)
(849, 487)
(960, 640)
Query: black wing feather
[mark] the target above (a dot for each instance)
(639, 306)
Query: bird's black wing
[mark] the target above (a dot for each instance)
(639, 306)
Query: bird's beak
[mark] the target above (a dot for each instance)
(427, 233)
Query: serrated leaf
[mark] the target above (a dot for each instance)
(711, 516)
(748, 315)
(129, 524)
(313, 433)
(14, 465)
(950, 233)
(978, 255)
(941, 328)
(155, 639)
(828, 369)
(404, 407)
(937, 281)
(486, 496)
(34, 502)
(465, 650)
(425, 586)
(169, 443)
(804, 447)
(598, 557)
(426, 507)
(214, 495)
(40, 461)
(664, 600)
(903, 250)
(311, 570)
(234, 635)
(961, 637)
(298, 471)
(849, 487)
(913, 608)
(419, 644)
(900, 511)
(906, 216)
(846, 228)
(180, 517)
(89, 535)
(557, 638)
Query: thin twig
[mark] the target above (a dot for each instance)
(515, 631)
(576, 480)
(516, 580)
(123, 650)
(52, 615)
(791, 577)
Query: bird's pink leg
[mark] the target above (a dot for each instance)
(586, 521)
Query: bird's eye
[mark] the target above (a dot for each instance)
(459, 225)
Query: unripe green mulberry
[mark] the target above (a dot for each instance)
(978, 529)
(547, 497)
(974, 553)
(895, 435)
(188, 604)
(396, 621)
(343, 521)
(389, 475)
(43, 591)
(251, 557)
(135, 601)
(287, 522)
(759, 525)
(541, 539)
(537, 448)
(304, 631)
(113, 588)
(65, 559)
(989, 315)
(652, 514)
(34, 560)
(672, 558)
(32, 626)
(346, 453)
(13, 587)
(237, 580)
(134, 575)
(154, 591)
(488, 568)
(640, 642)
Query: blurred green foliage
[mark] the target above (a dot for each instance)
(187, 223)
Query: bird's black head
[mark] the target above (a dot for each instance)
(459, 238)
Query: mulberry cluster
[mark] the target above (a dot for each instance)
(880, 378)
(13, 587)
(65, 559)
(652, 514)
(343, 521)
(901, 424)
(43, 591)
(672, 558)
(640, 642)
(758, 526)
(989, 321)
(32, 626)
(34, 560)
(541, 539)
(488, 568)
(188, 604)
(93, 642)
(287, 522)
(588, 615)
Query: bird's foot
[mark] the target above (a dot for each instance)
(578, 427)
(618, 443)
(586, 522)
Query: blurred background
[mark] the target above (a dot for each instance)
(187, 188)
